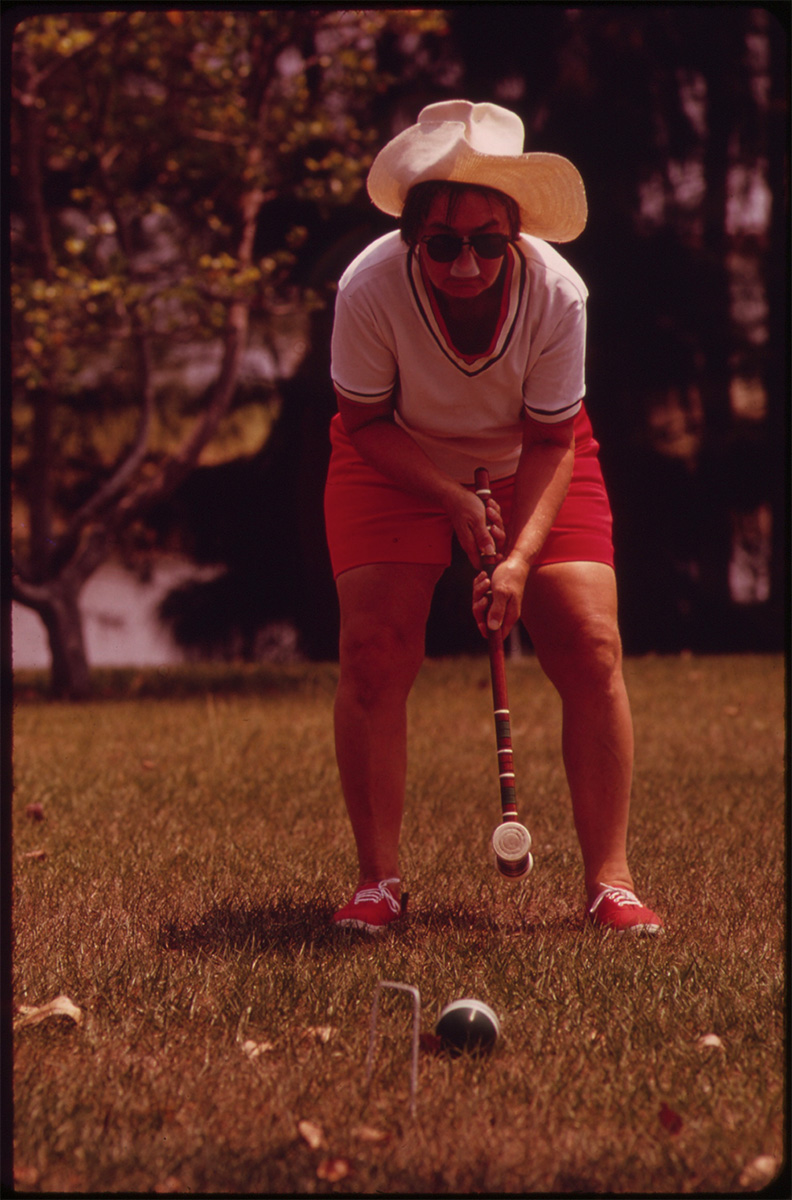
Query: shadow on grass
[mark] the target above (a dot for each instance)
(284, 925)
(288, 924)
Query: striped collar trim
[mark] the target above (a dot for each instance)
(514, 286)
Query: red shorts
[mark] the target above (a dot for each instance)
(371, 520)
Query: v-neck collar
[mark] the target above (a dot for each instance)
(513, 288)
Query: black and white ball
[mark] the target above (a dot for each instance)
(468, 1026)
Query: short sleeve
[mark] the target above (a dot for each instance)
(555, 382)
(363, 365)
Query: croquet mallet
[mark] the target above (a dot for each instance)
(511, 841)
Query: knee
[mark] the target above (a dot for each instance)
(588, 661)
(378, 660)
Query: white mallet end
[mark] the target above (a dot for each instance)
(511, 845)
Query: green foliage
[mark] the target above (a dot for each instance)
(162, 163)
(141, 143)
(196, 845)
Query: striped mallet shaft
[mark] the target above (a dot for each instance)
(511, 841)
(500, 695)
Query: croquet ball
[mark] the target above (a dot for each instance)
(468, 1025)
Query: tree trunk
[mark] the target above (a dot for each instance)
(62, 619)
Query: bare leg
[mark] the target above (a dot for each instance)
(384, 609)
(571, 614)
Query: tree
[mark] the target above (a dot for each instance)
(147, 150)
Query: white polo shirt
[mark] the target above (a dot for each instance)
(389, 338)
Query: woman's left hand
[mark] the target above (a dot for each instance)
(507, 586)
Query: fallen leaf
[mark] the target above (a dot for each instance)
(169, 1186)
(710, 1039)
(760, 1171)
(25, 1176)
(61, 1006)
(320, 1033)
(307, 1039)
(255, 1049)
(334, 1169)
(367, 1133)
(669, 1119)
(36, 855)
(35, 812)
(312, 1133)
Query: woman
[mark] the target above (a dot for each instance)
(459, 342)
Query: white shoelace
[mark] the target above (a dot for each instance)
(381, 892)
(620, 896)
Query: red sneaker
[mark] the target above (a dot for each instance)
(372, 908)
(620, 910)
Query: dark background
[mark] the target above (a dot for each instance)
(677, 118)
(667, 326)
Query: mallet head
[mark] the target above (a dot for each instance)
(511, 846)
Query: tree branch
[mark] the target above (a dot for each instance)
(179, 465)
(129, 461)
(109, 492)
(53, 68)
(32, 595)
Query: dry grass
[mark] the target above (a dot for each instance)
(196, 846)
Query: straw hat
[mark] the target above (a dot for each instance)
(482, 144)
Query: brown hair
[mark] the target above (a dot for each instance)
(421, 196)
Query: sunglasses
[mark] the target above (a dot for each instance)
(445, 247)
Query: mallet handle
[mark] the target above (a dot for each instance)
(500, 695)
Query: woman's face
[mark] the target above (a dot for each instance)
(467, 276)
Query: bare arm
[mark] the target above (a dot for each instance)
(543, 475)
(381, 442)
(541, 483)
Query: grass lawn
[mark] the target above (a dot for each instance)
(177, 882)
